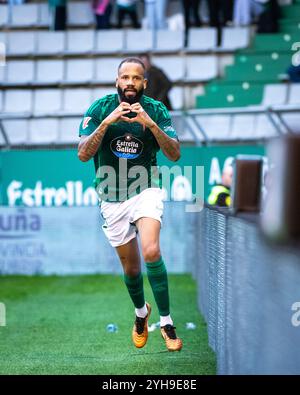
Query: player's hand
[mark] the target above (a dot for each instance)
(118, 113)
(141, 116)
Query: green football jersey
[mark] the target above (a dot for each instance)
(125, 163)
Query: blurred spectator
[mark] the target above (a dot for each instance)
(246, 11)
(102, 10)
(127, 7)
(220, 193)
(220, 12)
(159, 84)
(58, 10)
(14, 2)
(155, 13)
(191, 13)
(268, 19)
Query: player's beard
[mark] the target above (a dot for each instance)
(131, 99)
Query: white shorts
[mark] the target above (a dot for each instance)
(120, 217)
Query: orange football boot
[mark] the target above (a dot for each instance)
(140, 329)
(168, 333)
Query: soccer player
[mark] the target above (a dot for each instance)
(123, 133)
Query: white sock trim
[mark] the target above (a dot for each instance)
(166, 320)
(142, 312)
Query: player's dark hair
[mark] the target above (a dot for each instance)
(132, 60)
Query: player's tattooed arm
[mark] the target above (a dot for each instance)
(169, 146)
(89, 145)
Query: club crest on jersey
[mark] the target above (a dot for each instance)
(127, 146)
(85, 122)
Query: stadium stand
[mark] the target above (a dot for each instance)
(58, 74)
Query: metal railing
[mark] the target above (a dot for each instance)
(187, 123)
(248, 292)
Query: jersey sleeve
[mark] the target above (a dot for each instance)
(89, 123)
(164, 122)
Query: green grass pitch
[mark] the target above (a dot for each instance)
(57, 325)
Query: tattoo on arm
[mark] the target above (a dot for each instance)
(169, 146)
(89, 145)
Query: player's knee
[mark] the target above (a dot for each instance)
(151, 253)
(132, 271)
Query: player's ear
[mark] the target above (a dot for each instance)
(145, 83)
(116, 82)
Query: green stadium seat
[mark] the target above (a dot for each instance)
(291, 11)
(274, 42)
(289, 26)
(264, 68)
(230, 95)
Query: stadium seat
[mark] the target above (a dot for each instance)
(274, 42)
(202, 39)
(68, 130)
(3, 39)
(80, 41)
(294, 94)
(80, 13)
(44, 15)
(76, 101)
(173, 66)
(291, 12)
(97, 93)
(190, 131)
(234, 38)
(182, 130)
(18, 101)
(2, 74)
(79, 70)
(47, 101)
(216, 127)
(292, 121)
(262, 67)
(2, 141)
(290, 26)
(49, 71)
(110, 41)
(43, 131)
(242, 127)
(264, 128)
(3, 15)
(106, 69)
(1, 101)
(20, 43)
(25, 15)
(20, 72)
(274, 94)
(16, 131)
(230, 95)
(138, 40)
(176, 97)
(201, 68)
(169, 41)
(50, 43)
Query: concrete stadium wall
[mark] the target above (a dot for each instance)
(63, 240)
(249, 294)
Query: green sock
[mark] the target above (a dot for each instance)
(158, 279)
(135, 289)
